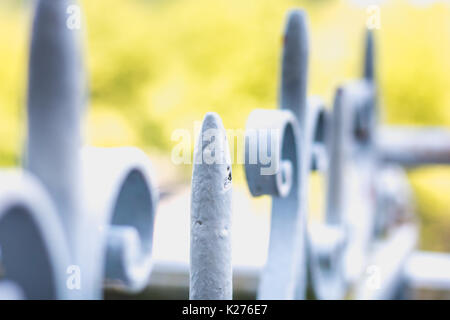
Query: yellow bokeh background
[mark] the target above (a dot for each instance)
(155, 66)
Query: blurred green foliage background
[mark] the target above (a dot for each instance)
(159, 65)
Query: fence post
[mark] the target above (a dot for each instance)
(347, 228)
(369, 57)
(284, 276)
(326, 242)
(293, 96)
(56, 95)
(210, 256)
(105, 197)
(351, 203)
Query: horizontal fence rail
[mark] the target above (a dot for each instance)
(77, 219)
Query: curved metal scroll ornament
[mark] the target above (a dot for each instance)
(121, 201)
(54, 106)
(34, 252)
(106, 200)
(280, 179)
(284, 276)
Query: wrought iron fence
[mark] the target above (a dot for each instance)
(75, 219)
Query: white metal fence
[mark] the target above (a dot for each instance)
(76, 218)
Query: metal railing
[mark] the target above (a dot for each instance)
(76, 219)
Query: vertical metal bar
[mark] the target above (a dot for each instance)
(294, 80)
(294, 72)
(56, 94)
(338, 148)
(210, 256)
(326, 242)
(369, 57)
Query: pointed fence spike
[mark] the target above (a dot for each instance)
(210, 257)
